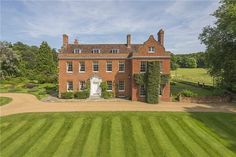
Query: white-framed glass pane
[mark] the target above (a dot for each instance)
(82, 85)
(121, 66)
(69, 86)
(143, 66)
(95, 66)
(121, 86)
(109, 85)
(69, 67)
(109, 66)
(115, 51)
(96, 50)
(151, 49)
(81, 66)
(77, 50)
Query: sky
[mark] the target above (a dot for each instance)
(99, 21)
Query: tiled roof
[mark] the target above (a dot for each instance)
(104, 48)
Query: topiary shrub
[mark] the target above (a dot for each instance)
(82, 94)
(140, 79)
(67, 95)
(187, 93)
(153, 82)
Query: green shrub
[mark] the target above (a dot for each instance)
(140, 79)
(67, 95)
(82, 95)
(107, 95)
(187, 93)
(30, 85)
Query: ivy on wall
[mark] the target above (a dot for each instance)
(152, 80)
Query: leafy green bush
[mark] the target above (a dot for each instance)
(82, 95)
(187, 93)
(107, 95)
(30, 85)
(67, 95)
(140, 79)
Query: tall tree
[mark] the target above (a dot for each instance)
(46, 66)
(8, 61)
(220, 41)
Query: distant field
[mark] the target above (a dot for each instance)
(118, 134)
(192, 75)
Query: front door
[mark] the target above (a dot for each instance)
(95, 89)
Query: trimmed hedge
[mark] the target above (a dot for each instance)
(107, 95)
(82, 94)
(67, 95)
(188, 93)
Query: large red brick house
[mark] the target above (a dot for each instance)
(113, 63)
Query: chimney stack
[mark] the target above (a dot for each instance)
(129, 41)
(160, 35)
(65, 40)
(76, 42)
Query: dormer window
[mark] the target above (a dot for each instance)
(151, 49)
(115, 51)
(96, 50)
(77, 50)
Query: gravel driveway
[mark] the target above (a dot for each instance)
(23, 103)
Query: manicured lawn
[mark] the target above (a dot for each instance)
(192, 75)
(5, 100)
(178, 87)
(118, 134)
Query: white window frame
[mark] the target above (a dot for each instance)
(121, 90)
(115, 51)
(141, 66)
(80, 67)
(67, 67)
(108, 62)
(140, 93)
(151, 49)
(97, 64)
(67, 86)
(111, 86)
(96, 51)
(80, 85)
(121, 62)
(77, 50)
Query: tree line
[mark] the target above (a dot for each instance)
(193, 60)
(31, 62)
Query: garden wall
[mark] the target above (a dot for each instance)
(205, 99)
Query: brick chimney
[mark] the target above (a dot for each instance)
(65, 40)
(160, 35)
(129, 41)
(76, 42)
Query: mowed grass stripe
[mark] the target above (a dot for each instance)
(171, 133)
(195, 149)
(56, 141)
(153, 142)
(15, 144)
(81, 138)
(67, 143)
(104, 145)
(117, 143)
(32, 139)
(211, 141)
(129, 143)
(196, 138)
(142, 145)
(11, 131)
(166, 144)
(42, 144)
(91, 145)
(14, 135)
